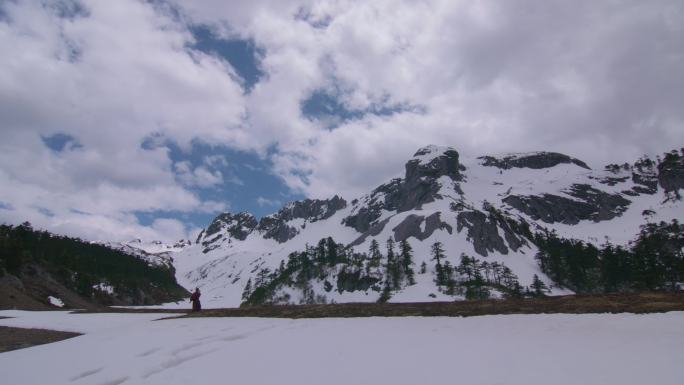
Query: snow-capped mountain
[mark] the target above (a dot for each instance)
(155, 253)
(485, 208)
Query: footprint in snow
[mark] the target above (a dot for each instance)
(85, 374)
(117, 381)
(148, 352)
(234, 337)
(174, 362)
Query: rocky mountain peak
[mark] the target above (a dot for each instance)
(276, 226)
(419, 186)
(434, 161)
(238, 226)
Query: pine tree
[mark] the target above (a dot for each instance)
(448, 278)
(393, 267)
(374, 254)
(437, 252)
(321, 251)
(386, 294)
(247, 290)
(407, 261)
(539, 289)
(516, 290)
(467, 267)
(332, 252)
(438, 255)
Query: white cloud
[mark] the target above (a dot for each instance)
(601, 81)
(265, 202)
(171, 227)
(110, 88)
(199, 176)
(215, 161)
(598, 80)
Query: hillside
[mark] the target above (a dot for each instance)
(39, 270)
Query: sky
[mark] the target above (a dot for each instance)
(145, 119)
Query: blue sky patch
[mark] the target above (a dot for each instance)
(248, 184)
(243, 55)
(59, 142)
(327, 107)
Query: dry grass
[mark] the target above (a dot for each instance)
(19, 338)
(599, 303)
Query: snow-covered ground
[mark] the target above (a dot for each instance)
(516, 349)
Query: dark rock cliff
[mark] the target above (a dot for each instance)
(538, 160)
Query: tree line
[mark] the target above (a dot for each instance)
(654, 261)
(82, 266)
(341, 269)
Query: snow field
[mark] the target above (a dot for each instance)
(519, 349)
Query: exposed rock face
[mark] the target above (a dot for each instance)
(410, 227)
(485, 227)
(311, 210)
(237, 226)
(482, 232)
(276, 229)
(648, 183)
(612, 181)
(375, 230)
(226, 225)
(537, 160)
(590, 204)
(182, 243)
(671, 173)
(444, 164)
(383, 197)
(419, 186)
(642, 173)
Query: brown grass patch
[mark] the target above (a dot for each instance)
(20, 338)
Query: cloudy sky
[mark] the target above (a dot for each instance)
(128, 118)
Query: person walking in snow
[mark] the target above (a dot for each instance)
(195, 299)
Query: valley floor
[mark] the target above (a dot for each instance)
(506, 349)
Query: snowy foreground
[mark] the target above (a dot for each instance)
(515, 349)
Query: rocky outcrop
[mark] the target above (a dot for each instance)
(277, 229)
(375, 230)
(411, 227)
(311, 210)
(647, 183)
(537, 160)
(611, 181)
(419, 186)
(434, 162)
(589, 204)
(237, 226)
(482, 232)
(383, 197)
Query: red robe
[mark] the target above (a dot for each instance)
(196, 305)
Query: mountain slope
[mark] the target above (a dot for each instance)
(41, 270)
(485, 208)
